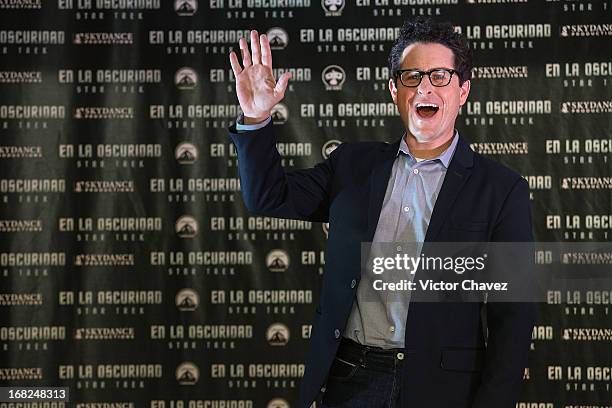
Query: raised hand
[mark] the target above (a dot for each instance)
(256, 87)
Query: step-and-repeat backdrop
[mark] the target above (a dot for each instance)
(130, 270)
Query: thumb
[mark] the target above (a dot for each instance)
(281, 85)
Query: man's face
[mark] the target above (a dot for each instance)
(430, 129)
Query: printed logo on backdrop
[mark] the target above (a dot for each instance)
(329, 147)
(20, 4)
(186, 227)
(187, 373)
(333, 8)
(186, 153)
(277, 260)
(186, 78)
(325, 227)
(185, 7)
(187, 300)
(278, 403)
(280, 114)
(333, 77)
(100, 38)
(564, 107)
(564, 31)
(278, 38)
(585, 30)
(277, 334)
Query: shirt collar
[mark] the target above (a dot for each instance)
(445, 157)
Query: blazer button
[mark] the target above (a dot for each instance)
(353, 283)
(337, 333)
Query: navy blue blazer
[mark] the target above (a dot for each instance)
(447, 361)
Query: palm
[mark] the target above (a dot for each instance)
(256, 87)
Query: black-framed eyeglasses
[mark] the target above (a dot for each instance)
(437, 76)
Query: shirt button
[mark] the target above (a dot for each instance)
(415, 171)
(337, 333)
(353, 283)
(400, 356)
(392, 329)
(406, 209)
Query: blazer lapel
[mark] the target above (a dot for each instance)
(422, 314)
(458, 172)
(379, 178)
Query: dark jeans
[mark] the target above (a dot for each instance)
(363, 376)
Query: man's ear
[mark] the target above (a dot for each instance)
(393, 90)
(464, 91)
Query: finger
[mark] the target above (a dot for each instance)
(266, 54)
(255, 47)
(235, 64)
(246, 56)
(281, 85)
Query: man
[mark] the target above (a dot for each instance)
(428, 186)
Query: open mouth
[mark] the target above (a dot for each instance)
(427, 110)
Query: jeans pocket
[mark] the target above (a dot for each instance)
(342, 370)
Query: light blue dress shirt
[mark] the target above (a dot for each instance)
(240, 127)
(378, 318)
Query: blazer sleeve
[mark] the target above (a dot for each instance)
(510, 324)
(269, 190)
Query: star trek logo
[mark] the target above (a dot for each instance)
(332, 8)
(329, 147)
(333, 76)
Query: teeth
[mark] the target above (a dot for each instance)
(421, 105)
